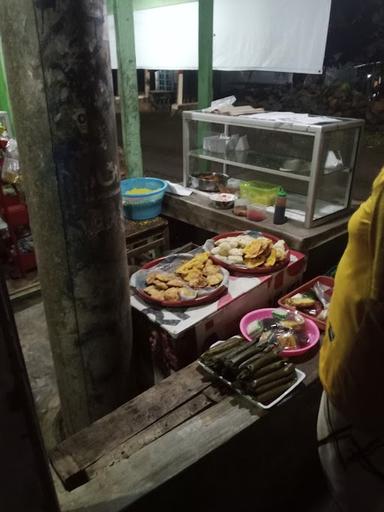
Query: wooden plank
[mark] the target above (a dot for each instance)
(197, 211)
(91, 443)
(166, 457)
(153, 432)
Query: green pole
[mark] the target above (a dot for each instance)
(205, 53)
(130, 117)
(4, 97)
(205, 75)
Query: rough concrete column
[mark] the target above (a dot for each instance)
(58, 69)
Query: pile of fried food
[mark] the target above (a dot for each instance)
(249, 251)
(182, 284)
(255, 369)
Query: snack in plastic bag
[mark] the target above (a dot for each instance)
(11, 168)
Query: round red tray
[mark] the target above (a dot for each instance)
(198, 301)
(243, 270)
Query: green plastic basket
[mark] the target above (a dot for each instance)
(259, 192)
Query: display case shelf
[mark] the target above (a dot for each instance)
(250, 160)
(314, 162)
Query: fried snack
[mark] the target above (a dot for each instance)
(196, 263)
(193, 274)
(164, 277)
(254, 262)
(210, 268)
(151, 278)
(271, 260)
(160, 285)
(187, 293)
(154, 293)
(176, 282)
(149, 289)
(281, 251)
(214, 279)
(257, 248)
(198, 282)
(172, 294)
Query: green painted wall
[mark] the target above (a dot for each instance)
(4, 97)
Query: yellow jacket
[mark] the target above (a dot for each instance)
(352, 355)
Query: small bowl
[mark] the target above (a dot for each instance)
(212, 182)
(223, 201)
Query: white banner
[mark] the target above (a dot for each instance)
(270, 35)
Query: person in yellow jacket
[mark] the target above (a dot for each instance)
(351, 415)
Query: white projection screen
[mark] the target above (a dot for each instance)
(269, 35)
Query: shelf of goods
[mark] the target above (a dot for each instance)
(315, 163)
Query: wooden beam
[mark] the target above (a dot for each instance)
(130, 117)
(76, 215)
(205, 53)
(147, 83)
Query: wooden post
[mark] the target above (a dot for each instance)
(60, 83)
(147, 83)
(180, 88)
(205, 79)
(130, 117)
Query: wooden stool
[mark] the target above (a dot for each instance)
(144, 236)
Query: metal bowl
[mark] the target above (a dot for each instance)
(212, 182)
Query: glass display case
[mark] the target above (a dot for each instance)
(314, 163)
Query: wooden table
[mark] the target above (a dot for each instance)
(323, 244)
(146, 235)
(178, 432)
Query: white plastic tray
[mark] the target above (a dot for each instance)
(299, 374)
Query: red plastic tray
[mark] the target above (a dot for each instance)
(326, 280)
(211, 297)
(259, 270)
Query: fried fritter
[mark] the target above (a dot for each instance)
(172, 294)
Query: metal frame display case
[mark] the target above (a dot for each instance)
(315, 163)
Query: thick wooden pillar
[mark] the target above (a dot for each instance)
(205, 75)
(129, 96)
(60, 84)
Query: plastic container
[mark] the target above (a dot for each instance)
(256, 212)
(240, 207)
(259, 192)
(311, 330)
(233, 186)
(326, 280)
(142, 206)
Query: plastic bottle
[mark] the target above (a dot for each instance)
(280, 205)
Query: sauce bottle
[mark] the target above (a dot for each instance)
(280, 205)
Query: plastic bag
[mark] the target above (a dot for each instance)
(11, 167)
(217, 104)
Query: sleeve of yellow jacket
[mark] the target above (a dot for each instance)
(352, 355)
(377, 245)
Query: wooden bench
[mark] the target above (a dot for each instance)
(174, 427)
